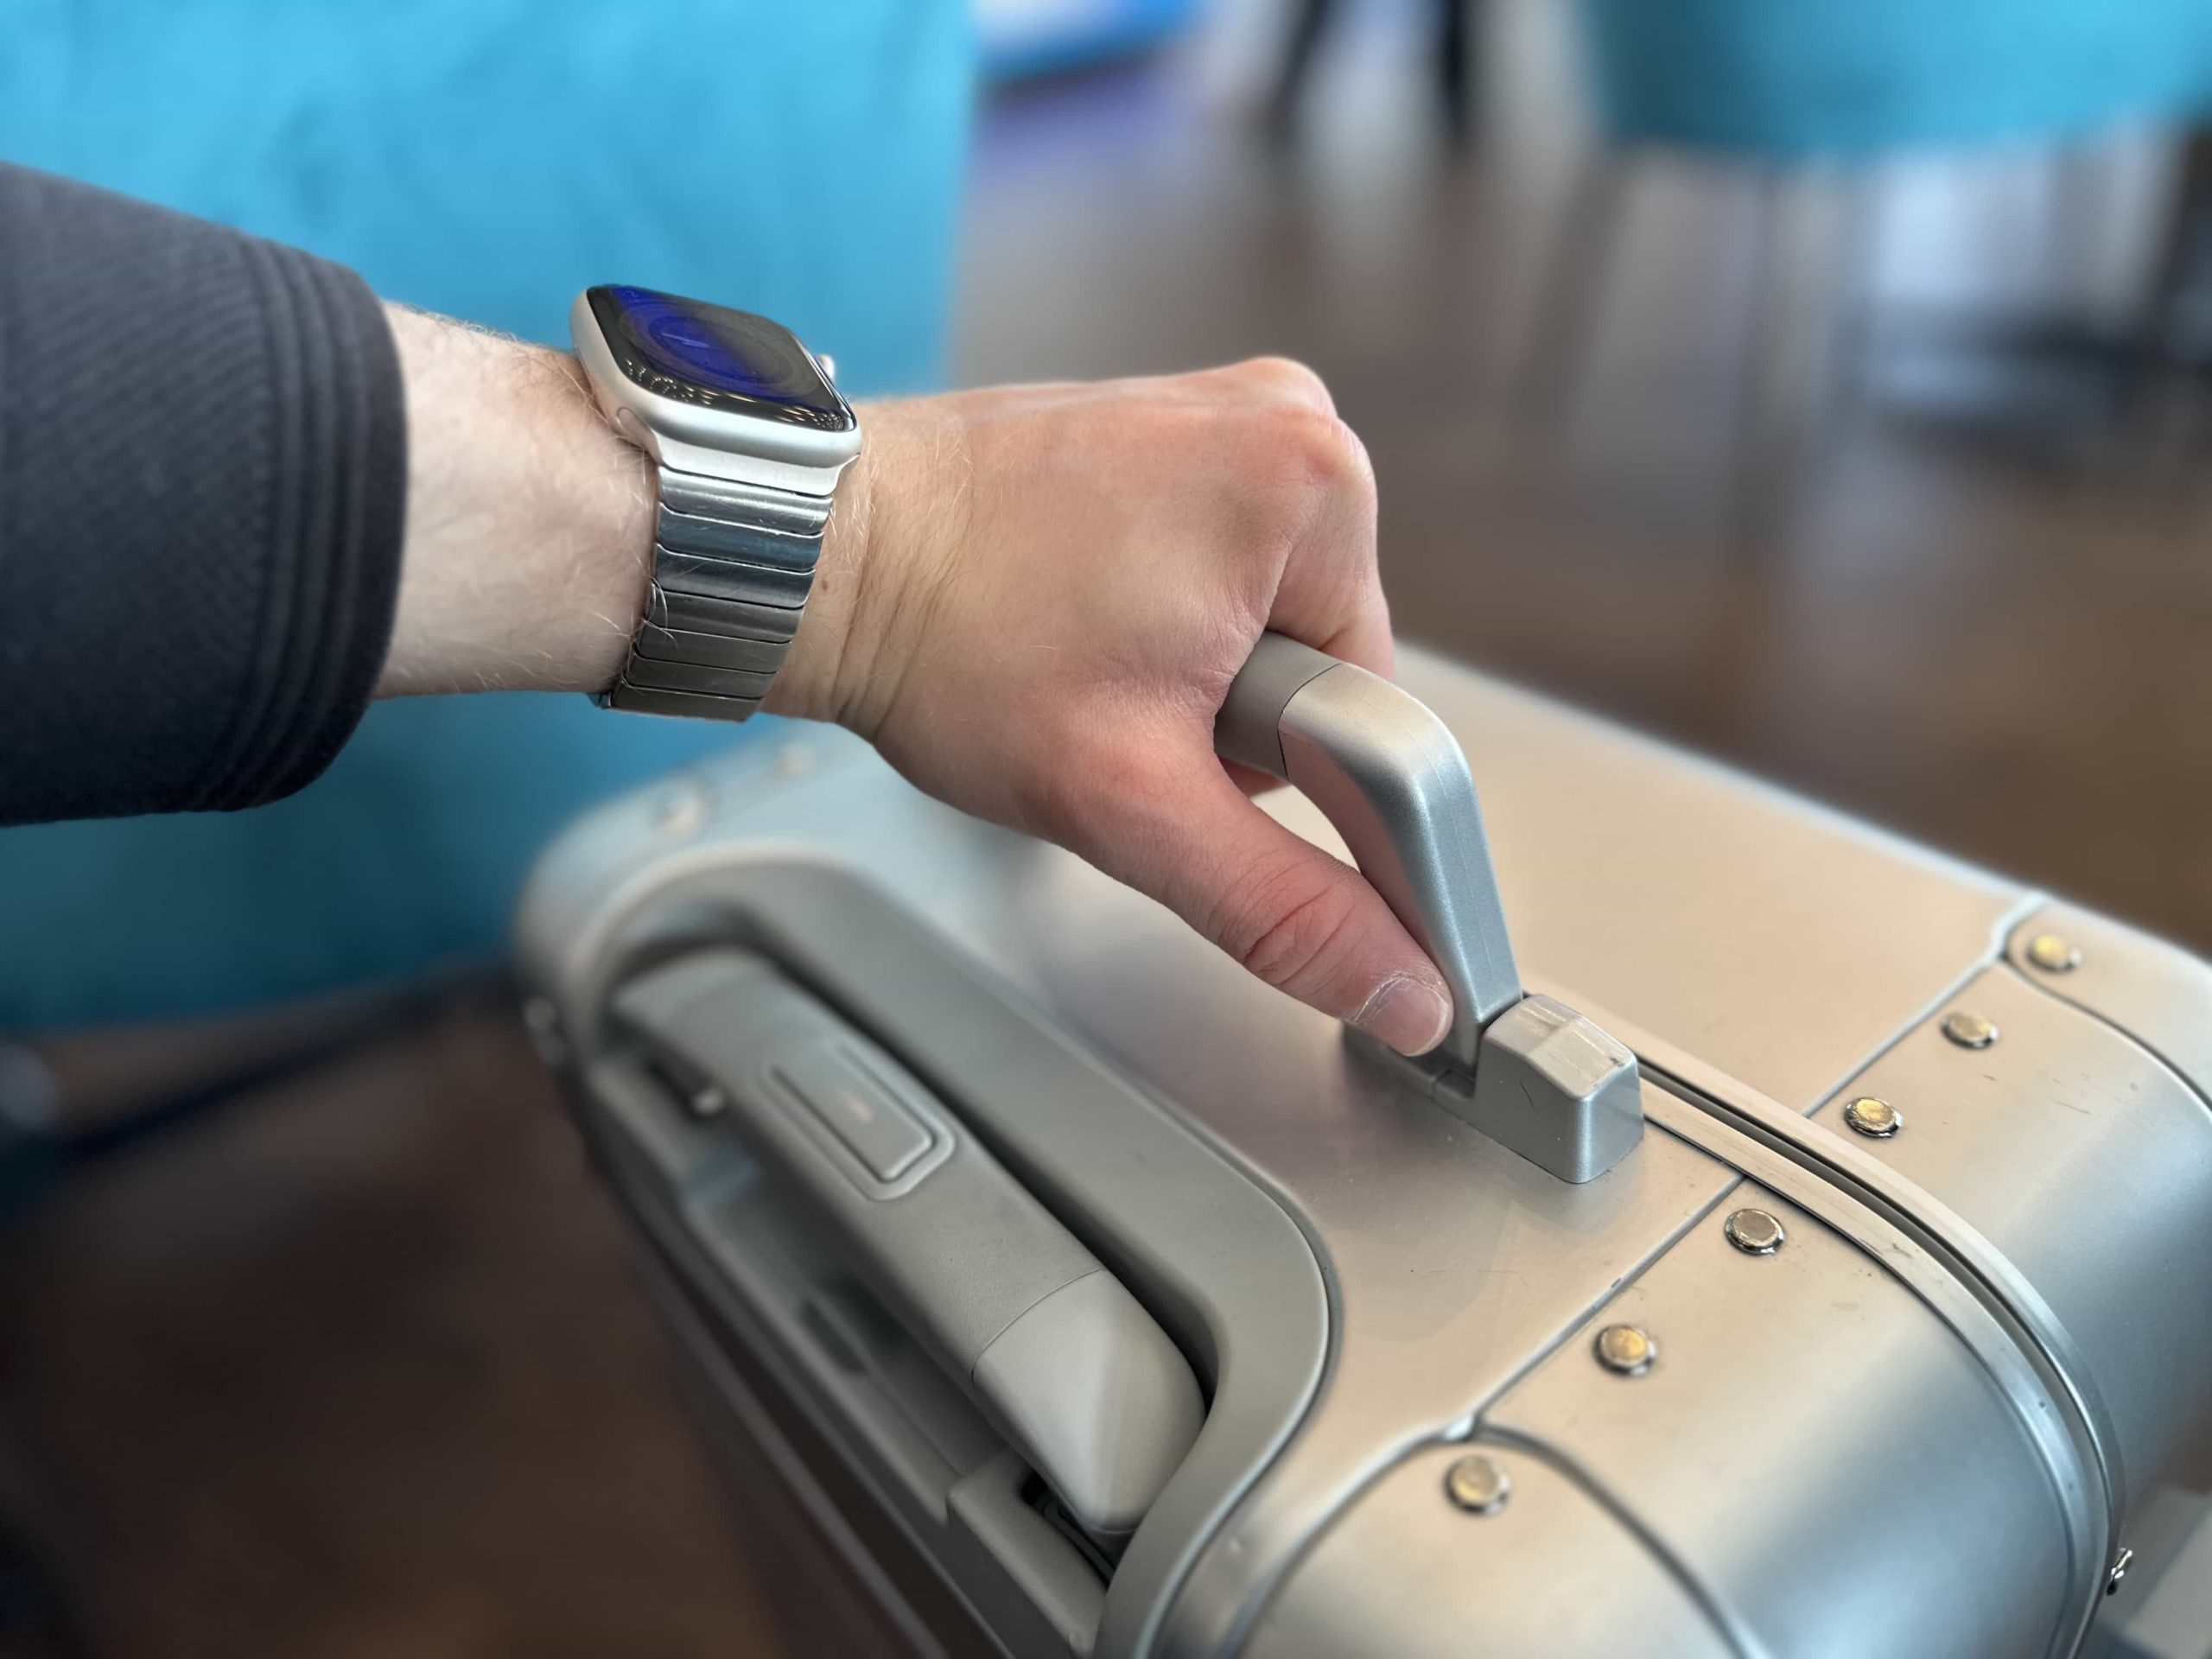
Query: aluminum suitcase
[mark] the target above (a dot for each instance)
(1804, 1247)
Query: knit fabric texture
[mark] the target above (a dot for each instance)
(202, 487)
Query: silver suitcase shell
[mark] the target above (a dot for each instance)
(1924, 1426)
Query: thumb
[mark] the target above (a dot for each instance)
(1303, 921)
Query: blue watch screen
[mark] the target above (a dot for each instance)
(716, 357)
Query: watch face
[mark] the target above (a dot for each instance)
(716, 357)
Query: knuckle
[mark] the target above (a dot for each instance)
(1295, 468)
(1292, 377)
(1311, 451)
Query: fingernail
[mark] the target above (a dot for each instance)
(1410, 1015)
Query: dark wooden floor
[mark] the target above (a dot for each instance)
(353, 1366)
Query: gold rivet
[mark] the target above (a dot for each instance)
(2054, 954)
(1624, 1349)
(1871, 1114)
(1968, 1030)
(1477, 1485)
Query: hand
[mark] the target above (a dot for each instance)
(1034, 600)
(1031, 600)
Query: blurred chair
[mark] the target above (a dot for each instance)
(1456, 59)
(486, 158)
(1807, 98)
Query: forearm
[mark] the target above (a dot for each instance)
(528, 520)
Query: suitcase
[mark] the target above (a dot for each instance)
(1803, 1247)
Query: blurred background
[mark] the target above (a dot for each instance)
(1823, 386)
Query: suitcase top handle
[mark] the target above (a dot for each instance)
(1391, 778)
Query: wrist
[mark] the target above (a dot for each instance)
(807, 686)
(887, 547)
(529, 521)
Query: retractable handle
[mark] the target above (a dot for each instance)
(1394, 781)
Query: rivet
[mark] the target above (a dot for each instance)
(1477, 1485)
(1871, 1114)
(794, 761)
(2054, 954)
(1968, 1030)
(1624, 1349)
(2121, 1563)
(1754, 1232)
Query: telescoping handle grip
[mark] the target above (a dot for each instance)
(1393, 780)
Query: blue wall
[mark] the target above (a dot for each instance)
(485, 158)
(1790, 79)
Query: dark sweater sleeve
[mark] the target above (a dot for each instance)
(202, 482)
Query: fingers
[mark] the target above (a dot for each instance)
(1330, 592)
(1299, 919)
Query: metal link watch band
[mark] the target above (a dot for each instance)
(733, 564)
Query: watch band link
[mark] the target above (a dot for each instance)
(733, 564)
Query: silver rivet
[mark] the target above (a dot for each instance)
(2121, 1563)
(2054, 954)
(1754, 1232)
(1968, 1030)
(1624, 1349)
(1871, 1114)
(1477, 1485)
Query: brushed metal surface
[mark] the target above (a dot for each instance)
(2085, 1161)
(2156, 992)
(749, 543)
(1856, 1427)
(742, 584)
(1392, 779)
(2001, 1315)
(1783, 942)
(1551, 1574)
(647, 672)
(772, 625)
(1452, 1260)
(775, 512)
(1555, 1086)
(1452, 1264)
(690, 705)
(1390, 775)
(683, 645)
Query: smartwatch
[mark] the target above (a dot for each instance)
(750, 435)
